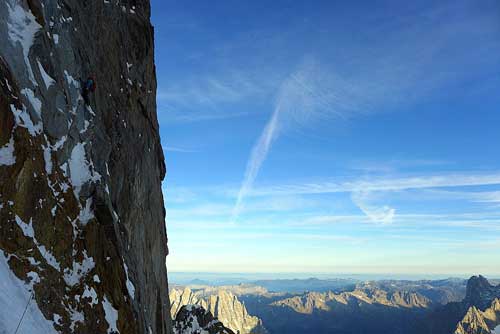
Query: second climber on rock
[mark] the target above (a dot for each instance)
(88, 87)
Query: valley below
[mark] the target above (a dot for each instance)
(346, 306)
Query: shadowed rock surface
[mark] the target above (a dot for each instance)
(387, 306)
(369, 310)
(80, 187)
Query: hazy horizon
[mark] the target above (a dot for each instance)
(185, 277)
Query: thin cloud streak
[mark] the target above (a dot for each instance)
(209, 91)
(465, 220)
(168, 148)
(174, 115)
(389, 184)
(207, 97)
(299, 98)
(259, 154)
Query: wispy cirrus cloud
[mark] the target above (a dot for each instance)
(444, 180)
(170, 148)
(371, 195)
(473, 220)
(488, 197)
(383, 76)
(210, 96)
(364, 193)
(377, 214)
(475, 196)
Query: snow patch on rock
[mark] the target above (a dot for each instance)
(86, 212)
(130, 285)
(22, 27)
(7, 157)
(51, 260)
(111, 315)
(80, 169)
(26, 228)
(29, 232)
(47, 79)
(47, 156)
(80, 269)
(90, 293)
(23, 119)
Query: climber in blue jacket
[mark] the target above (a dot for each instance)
(88, 87)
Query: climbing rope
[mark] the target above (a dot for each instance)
(25, 309)
(44, 254)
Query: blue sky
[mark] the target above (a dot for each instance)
(330, 136)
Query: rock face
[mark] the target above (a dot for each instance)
(480, 292)
(476, 321)
(222, 304)
(82, 220)
(474, 314)
(194, 319)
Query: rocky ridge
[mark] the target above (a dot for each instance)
(467, 316)
(222, 303)
(476, 321)
(82, 234)
(388, 306)
(480, 292)
(483, 313)
(315, 301)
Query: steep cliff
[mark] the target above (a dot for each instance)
(82, 234)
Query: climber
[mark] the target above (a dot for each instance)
(88, 87)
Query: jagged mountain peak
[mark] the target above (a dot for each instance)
(480, 292)
(477, 321)
(326, 301)
(477, 283)
(496, 304)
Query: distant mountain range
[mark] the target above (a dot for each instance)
(304, 285)
(370, 307)
(451, 306)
